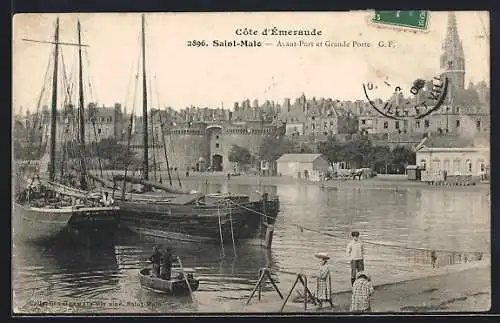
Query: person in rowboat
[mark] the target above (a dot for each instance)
(167, 259)
(156, 261)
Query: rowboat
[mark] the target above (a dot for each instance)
(177, 285)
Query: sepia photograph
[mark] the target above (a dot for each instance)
(251, 162)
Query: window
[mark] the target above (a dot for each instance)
(217, 137)
(417, 124)
(478, 124)
(458, 123)
(313, 118)
(217, 145)
(468, 164)
(363, 121)
(313, 126)
(456, 165)
(426, 123)
(446, 164)
(405, 124)
(458, 109)
(386, 124)
(436, 165)
(396, 124)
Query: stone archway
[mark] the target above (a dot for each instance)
(217, 163)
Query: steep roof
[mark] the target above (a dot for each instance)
(301, 158)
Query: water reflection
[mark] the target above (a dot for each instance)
(48, 270)
(396, 220)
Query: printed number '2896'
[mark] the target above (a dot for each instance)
(196, 43)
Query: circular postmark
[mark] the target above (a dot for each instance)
(416, 101)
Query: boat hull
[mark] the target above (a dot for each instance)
(199, 223)
(35, 224)
(173, 286)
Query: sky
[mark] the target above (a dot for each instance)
(181, 76)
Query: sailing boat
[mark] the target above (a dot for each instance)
(188, 216)
(45, 209)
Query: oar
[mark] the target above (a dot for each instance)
(185, 278)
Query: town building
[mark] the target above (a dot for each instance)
(465, 110)
(317, 118)
(453, 155)
(303, 166)
(100, 122)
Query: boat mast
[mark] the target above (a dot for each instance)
(145, 166)
(52, 170)
(83, 179)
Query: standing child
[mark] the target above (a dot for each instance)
(323, 284)
(355, 252)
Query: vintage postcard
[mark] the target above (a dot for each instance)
(263, 162)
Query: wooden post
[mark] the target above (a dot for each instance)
(305, 294)
(256, 286)
(269, 236)
(261, 273)
(289, 293)
(273, 283)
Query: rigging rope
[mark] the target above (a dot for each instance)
(304, 228)
(36, 119)
(164, 143)
(130, 127)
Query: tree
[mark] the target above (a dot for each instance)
(240, 155)
(357, 152)
(402, 157)
(332, 149)
(380, 158)
(273, 148)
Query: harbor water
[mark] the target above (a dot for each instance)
(399, 226)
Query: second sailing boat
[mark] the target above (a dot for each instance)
(181, 215)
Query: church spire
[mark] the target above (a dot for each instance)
(452, 58)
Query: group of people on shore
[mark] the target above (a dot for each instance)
(362, 288)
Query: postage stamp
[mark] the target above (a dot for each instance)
(408, 19)
(230, 163)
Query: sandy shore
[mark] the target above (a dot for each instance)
(458, 288)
